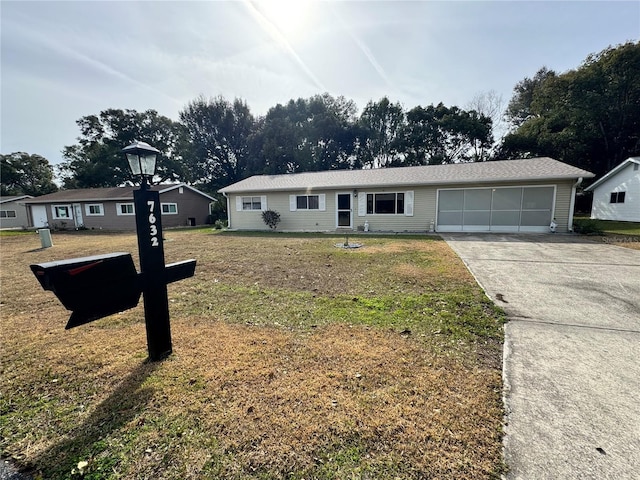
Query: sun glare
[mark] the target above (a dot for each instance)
(289, 16)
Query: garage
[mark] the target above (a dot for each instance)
(496, 209)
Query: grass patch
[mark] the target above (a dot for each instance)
(15, 233)
(292, 359)
(624, 234)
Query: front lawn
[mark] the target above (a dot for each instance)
(292, 359)
(624, 234)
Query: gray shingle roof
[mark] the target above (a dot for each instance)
(103, 194)
(531, 169)
(13, 198)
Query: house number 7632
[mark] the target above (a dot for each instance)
(153, 230)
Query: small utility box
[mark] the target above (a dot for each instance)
(45, 237)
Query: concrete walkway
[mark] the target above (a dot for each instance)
(572, 351)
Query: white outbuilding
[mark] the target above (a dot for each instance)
(616, 196)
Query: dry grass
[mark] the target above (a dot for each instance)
(293, 359)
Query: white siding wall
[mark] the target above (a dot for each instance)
(424, 210)
(626, 180)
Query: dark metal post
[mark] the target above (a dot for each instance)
(151, 248)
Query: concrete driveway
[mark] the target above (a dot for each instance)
(572, 351)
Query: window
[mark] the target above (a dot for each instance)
(251, 203)
(125, 209)
(307, 202)
(169, 208)
(617, 197)
(61, 211)
(94, 209)
(7, 214)
(385, 203)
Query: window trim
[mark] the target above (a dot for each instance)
(67, 207)
(7, 214)
(617, 197)
(119, 211)
(169, 204)
(371, 196)
(241, 201)
(321, 202)
(87, 209)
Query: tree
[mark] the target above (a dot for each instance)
(438, 134)
(381, 123)
(25, 174)
(318, 133)
(520, 108)
(219, 133)
(97, 159)
(588, 117)
(491, 104)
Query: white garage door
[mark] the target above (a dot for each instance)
(500, 209)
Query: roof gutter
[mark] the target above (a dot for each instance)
(572, 203)
(228, 210)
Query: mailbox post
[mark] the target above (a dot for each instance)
(101, 285)
(142, 159)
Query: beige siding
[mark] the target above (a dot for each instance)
(424, 209)
(563, 202)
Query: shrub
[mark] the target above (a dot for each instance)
(587, 226)
(220, 224)
(271, 218)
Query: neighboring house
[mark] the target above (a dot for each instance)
(13, 213)
(616, 196)
(503, 196)
(113, 209)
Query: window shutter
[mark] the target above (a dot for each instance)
(263, 202)
(408, 203)
(362, 204)
(322, 202)
(238, 203)
(292, 203)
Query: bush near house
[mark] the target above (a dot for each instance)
(271, 218)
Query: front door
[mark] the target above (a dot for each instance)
(344, 211)
(39, 214)
(77, 215)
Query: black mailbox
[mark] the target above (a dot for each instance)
(101, 285)
(92, 287)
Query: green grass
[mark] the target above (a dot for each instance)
(614, 227)
(15, 233)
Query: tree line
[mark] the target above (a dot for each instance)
(217, 142)
(588, 117)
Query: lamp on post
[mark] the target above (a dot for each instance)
(142, 162)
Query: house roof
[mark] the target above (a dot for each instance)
(613, 172)
(542, 168)
(13, 198)
(104, 194)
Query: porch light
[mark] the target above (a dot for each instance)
(142, 159)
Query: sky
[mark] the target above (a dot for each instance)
(64, 60)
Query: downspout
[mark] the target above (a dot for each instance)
(228, 211)
(572, 204)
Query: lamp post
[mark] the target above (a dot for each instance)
(142, 162)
